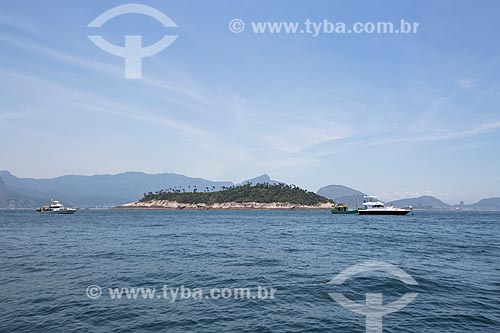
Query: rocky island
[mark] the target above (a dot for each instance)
(248, 196)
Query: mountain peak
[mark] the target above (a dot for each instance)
(262, 179)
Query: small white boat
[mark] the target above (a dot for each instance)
(372, 206)
(56, 207)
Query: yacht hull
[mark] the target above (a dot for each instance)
(383, 212)
(64, 212)
(57, 212)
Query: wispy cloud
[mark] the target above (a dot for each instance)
(89, 100)
(20, 24)
(179, 84)
(446, 135)
(297, 140)
(353, 143)
(6, 116)
(140, 115)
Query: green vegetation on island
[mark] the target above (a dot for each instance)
(263, 193)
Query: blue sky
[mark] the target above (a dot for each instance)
(393, 115)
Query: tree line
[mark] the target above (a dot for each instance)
(262, 192)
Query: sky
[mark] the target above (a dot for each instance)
(393, 115)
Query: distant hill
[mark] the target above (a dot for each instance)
(485, 204)
(338, 191)
(342, 194)
(101, 190)
(424, 202)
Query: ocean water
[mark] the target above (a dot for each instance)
(47, 263)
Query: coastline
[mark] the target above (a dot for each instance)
(173, 205)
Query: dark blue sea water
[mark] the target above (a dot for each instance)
(48, 261)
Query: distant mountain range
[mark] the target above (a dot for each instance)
(115, 190)
(101, 190)
(425, 202)
(95, 191)
(430, 202)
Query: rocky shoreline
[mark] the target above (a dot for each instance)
(173, 205)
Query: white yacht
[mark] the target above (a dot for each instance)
(56, 207)
(373, 206)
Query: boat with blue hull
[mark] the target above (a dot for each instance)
(343, 209)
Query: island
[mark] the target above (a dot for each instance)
(247, 196)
